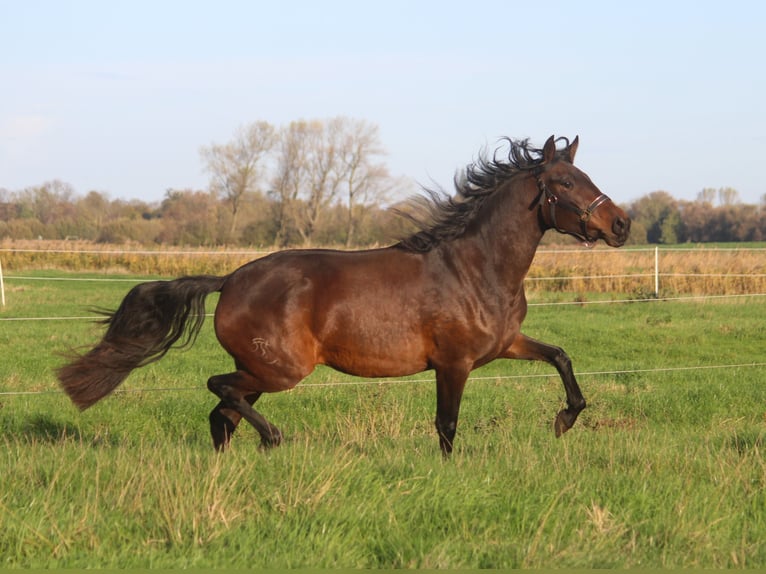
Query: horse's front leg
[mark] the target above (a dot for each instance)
(450, 383)
(526, 348)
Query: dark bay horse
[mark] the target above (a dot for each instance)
(449, 298)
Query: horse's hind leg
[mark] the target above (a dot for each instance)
(224, 421)
(237, 392)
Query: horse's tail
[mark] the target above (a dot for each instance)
(151, 319)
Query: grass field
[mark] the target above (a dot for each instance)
(665, 468)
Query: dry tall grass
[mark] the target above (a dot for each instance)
(697, 271)
(87, 257)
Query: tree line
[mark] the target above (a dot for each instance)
(716, 215)
(312, 182)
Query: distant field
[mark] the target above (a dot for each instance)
(664, 469)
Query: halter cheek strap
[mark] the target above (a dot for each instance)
(552, 201)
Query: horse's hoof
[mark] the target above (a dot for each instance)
(271, 440)
(560, 425)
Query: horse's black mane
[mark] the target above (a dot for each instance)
(441, 217)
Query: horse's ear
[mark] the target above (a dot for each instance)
(572, 149)
(549, 150)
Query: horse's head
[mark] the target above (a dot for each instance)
(570, 203)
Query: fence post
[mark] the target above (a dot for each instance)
(656, 272)
(2, 285)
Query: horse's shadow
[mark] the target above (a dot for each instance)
(49, 430)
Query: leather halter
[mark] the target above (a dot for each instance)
(552, 201)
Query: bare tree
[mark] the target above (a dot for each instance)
(319, 161)
(728, 196)
(321, 165)
(290, 178)
(236, 168)
(306, 180)
(49, 202)
(707, 195)
(361, 177)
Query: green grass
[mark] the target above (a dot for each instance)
(665, 468)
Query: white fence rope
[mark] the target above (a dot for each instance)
(383, 382)
(258, 252)
(95, 279)
(553, 278)
(128, 252)
(548, 304)
(647, 300)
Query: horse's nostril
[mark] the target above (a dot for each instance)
(620, 226)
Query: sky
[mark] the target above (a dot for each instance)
(118, 96)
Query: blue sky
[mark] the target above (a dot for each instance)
(119, 96)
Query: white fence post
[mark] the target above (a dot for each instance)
(2, 285)
(656, 272)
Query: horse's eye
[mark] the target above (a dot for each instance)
(567, 184)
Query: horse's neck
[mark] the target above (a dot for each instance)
(510, 235)
(501, 246)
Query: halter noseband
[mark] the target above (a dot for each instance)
(552, 200)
